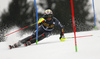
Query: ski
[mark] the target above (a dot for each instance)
(78, 36)
(69, 37)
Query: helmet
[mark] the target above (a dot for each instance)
(48, 13)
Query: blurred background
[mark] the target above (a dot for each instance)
(21, 13)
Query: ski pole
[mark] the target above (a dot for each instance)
(83, 36)
(19, 30)
(79, 36)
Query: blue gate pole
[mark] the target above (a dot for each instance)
(36, 22)
(94, 15)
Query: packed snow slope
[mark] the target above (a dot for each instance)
(53, 48)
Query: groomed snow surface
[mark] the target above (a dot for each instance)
(53, 48)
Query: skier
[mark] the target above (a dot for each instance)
(47, 23)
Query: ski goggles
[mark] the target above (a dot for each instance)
(48, 16)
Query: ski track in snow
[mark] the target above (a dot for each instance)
(52, 48)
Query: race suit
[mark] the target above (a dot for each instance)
(44, 30)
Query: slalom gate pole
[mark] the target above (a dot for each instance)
(19, 30)
(72, 8)
(37, 22)
(94, 15)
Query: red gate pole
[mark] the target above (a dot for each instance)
(72, 8)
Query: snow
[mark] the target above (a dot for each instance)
(4, 5)
(53, 48)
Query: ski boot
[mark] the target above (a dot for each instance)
(27, 43)
(10, 47)
(15, 45)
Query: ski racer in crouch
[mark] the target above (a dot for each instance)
(46, 25)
